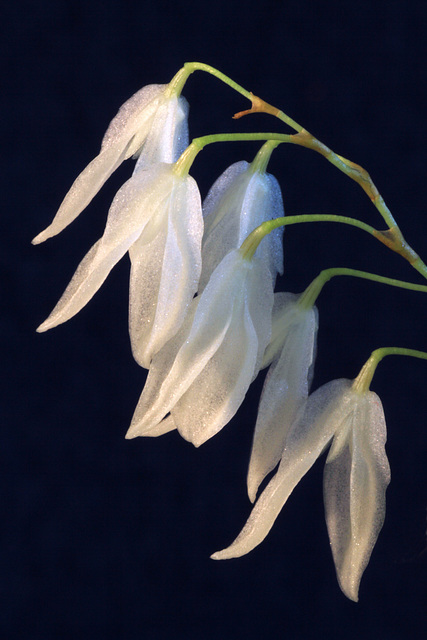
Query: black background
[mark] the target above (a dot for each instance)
(107, 538)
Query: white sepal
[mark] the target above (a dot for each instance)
(201, 376)
(239, 201)
(165, 271)
(135, 124)
(355, 481)
(140, 208)
(309, 435)
(285, 389)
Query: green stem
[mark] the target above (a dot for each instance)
(362, 383)
(184, 162)
(306, 139)
(351, 169)
(310, 295)
(250, 245)
(262, 158)
(190, 67)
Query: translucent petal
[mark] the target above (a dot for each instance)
(84, 188)
(237, 203)
(176, 366)
(130, 212)
(122, 139)
(167, 137)
(133, 119)
(165, 272)
(355, 481)
(202, 369)
(218, 391)
(165, 426)
(283, 313)
(309, 435)
(284, 394)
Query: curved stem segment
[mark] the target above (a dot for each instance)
(251, 243)
(310, 295)
(393, 237)
(362, 383)
(190, 67)
(183, 164)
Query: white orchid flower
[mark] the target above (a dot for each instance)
(240, 200)
(356, 477)
(157, 215)
(292, 351)
(152, 124)
(201, 376)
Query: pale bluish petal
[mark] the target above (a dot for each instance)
(309, 435)
(284, 394)
(129, 213)
(238, 202)
(221, 212)
(165, 273)
(275, 210)
(122, 138)
(355, 482)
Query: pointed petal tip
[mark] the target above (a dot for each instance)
(252, 489)
(227, 553)
(196, 439)
(252, 495)
(42, 327)
(49, 323)
(42, 236)
(349, 589)
(351, 595)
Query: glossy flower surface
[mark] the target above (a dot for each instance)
(152, 124)
(157, 215)
(356, 477)
(201, 376)
(292, 351)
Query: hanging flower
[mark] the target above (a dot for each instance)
(356, 477)
(201, 376)
(292, 351)
(241, 199)
(157, 214)
(152, 124)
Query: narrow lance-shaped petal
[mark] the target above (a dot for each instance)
(355, 481)
(201, 376)
(138, 207)
(140, 120)
(286, 386)
(309, 435)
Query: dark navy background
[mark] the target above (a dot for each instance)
(107, 538)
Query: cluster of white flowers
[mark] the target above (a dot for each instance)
(204, 319)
